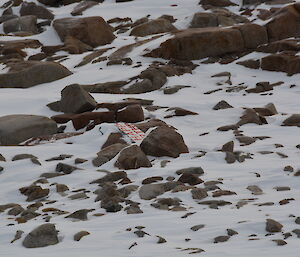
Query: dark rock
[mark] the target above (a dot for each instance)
(222, 105)
(74, 99)
(151, 180)
(190, 179)
(199, 193)
(80, 214)
(150, 191)
(65, 168)
(21, 24)
(131, 114)
(34, 192)
(37, 10)
(221, 239)
(80, 235)
(273, 226)
(42, 236)
(164, 141)
(132, 157)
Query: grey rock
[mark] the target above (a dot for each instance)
(65, 168)
(15, 129)
(199, 193)
(74, 99)
(37, 10)
(21, 24)
(197, 227)
(221, 239)
(222, 105)
(80, 214)
(43, 235)
(273, 226)
(191, 170)
(80, 235)
(150, 191)
(18, 236)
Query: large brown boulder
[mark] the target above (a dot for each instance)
(285, 23)
(36, 10)
(31, 73)
(93, 31)
(131, 113)
(164, 141)
(26, 24)
(281, 62)
(193, 44)
(152, 27)
(74, 99)
(15, 129)
(132, 157)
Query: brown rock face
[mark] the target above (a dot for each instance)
(93, 31)
(132, 113)
(30, 73)
(281, 62)
(132, 158)
(164, 141)
(293, 120)
(285, 23)
(195, 44)
(152, 27)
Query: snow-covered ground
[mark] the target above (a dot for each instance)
(109, 235)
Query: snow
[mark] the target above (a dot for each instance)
(108, 235)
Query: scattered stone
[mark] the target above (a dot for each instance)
(221, 239)
(161, 240)
(65, 168)
(222, 105)
(80, 214)
(190, 179)
(18, 235)
(43, 235)
(255, 190)
(273, 226)
(150, 191)
(231, 232)
(34, 192)
(197, 227)
(80, 235)
(279, 242)
(151, 180)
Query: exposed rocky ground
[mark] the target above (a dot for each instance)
(213, 84)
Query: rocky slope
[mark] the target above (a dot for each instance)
(213, 84)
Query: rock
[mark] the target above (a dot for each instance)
(21, 24)
(190, 179)
(150, 80)
(221, 239)
(197, 227)
(285, 23)
(80, 214)
(281, 62)
(244, 140)
(75, 46)
(65, 168)
(43, 235)
(250, 116)
(131, 114)
(228, 147)
(108, 153)
(15, 210)
(177, 111)
(204, 20)
(152, 123)
(34, 192)
(77, 196)
(255, 190)
(222, 105)
(161, 240)
(150, 191)
(111, 205)
(273, 226)
(94, 31)
(199, 193)
(279, 242)
(113, 138)
(230, 157)
(18, 235)
(80, 235)
(61, 188)
(194, 44)
(267, 110)
(132, 157)
(164, 141)
(37, 10)
(23, 156)
(74, 99)
(217, 3)
(293, 120)
(191, 170)
(152, 27)
(231, 232)
(82, 6)
(251, 64)
(15, 129)
(173, 90)
(111, 177)
(151, 180)
(30, 73)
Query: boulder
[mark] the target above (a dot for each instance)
(37, 10)
(293, 120)
(204, 20)
(75, 46)
(285, 23)
(74, 99)
(15, 129)
(281, 62)
(152, 27)
(132, 157)
(150, 191)
(43, 235)
(93, 31)
(31, 73)
(273, 226)
(193, 44)
(131, 113)
(217, 3)
(108, 153)
(164, 141)
(26, 23)
(81, 7)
